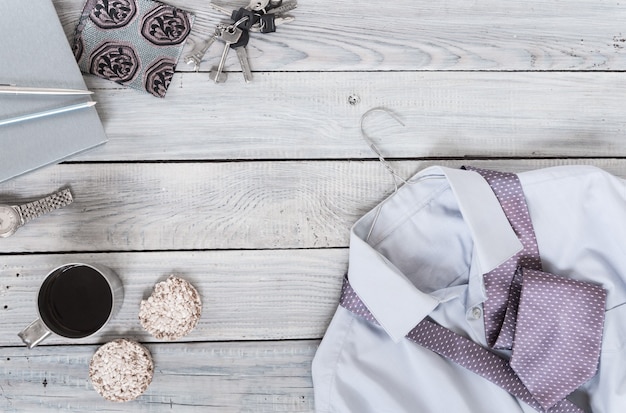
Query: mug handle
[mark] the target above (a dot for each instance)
(35, 333)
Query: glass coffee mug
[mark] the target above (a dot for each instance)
(75, 301)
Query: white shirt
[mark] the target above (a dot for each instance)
(423, 254)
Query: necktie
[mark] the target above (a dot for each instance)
(462, 351)
(552, 324)
(503, 284)
(555, 331)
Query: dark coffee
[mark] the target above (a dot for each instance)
(75, 301)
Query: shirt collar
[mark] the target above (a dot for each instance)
(391, 298)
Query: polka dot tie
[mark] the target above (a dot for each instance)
(552, 324)
(503, 284)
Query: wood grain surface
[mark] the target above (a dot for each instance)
(249, 191)
(189, 377)
(309, 116)
(408, 35)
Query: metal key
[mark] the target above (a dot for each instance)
(284, 7)
(268, 23)
(254, 5)
(274, 16)
(242, 55)
(221, 9)
(245, 18)
(196, 55)
(258, 5)
(229, 35)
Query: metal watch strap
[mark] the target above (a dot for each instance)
(34, 209)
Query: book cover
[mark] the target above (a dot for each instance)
(34, 52)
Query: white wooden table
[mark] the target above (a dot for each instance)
(249, 190)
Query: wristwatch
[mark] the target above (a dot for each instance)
(14, 216)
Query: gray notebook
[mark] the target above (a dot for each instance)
(35, 52)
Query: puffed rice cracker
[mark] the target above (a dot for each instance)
(121, 370)
(172, 310)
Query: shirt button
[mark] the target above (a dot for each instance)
(476, 313)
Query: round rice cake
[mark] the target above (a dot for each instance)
(172, 310)
(121, 370)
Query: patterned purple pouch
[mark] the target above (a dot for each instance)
(135, 43)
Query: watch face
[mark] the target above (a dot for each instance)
(9, 220)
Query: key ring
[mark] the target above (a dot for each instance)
(240, 22)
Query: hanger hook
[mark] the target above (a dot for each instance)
(373, 146)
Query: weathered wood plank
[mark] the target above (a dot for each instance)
(309, 116)
(423, 35)
(189, 377)
(199, 206)
(265, 241)
(122, 207)
(246, 295)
